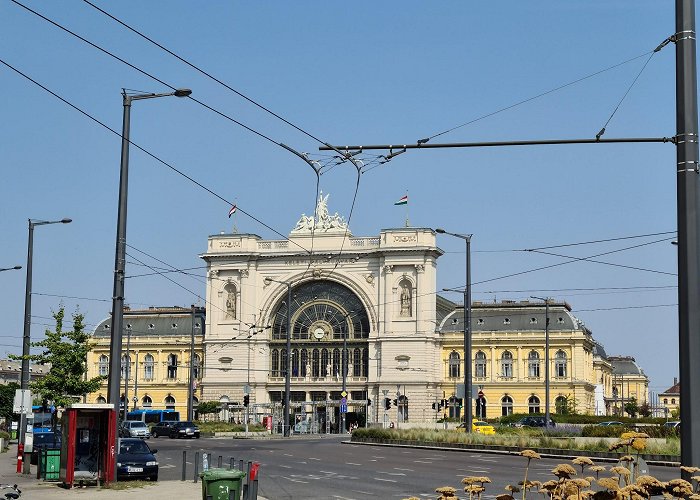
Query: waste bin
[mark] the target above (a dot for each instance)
(49, 464)
(218, 483)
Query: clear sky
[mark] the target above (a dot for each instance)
(361, 72)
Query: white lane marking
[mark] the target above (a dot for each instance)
(286, 466)
(474, 470)
(287, 455)
(374, 456)
(398, 468)
(342, 498)
(423, 461)
(294, 480)
(312, 458)
(351, 463)
(487, 460)
(385, 480)
(389, 473)
(169, 466)
(367, 493)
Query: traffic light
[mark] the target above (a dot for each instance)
(387, 404)
(246, 400)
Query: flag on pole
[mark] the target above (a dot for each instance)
(232, 211)
(403, 200)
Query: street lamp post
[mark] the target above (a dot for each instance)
(467, 329)
(115, 347)
(190, 379)
(26, 340)
(546, 359)
(345, 367)
(288, 371)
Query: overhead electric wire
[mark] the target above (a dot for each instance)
(152, 155)
(625, 307)
(592, 242)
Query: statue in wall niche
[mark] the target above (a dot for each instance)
(405, 301)
(231, 303)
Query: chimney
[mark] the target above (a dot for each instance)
(675, 380)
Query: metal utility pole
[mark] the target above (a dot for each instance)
(688, 186)
(127, 372)
(546, 359)
(190, 379)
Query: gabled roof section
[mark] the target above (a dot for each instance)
(156, 321)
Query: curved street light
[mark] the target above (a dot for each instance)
(10, 268)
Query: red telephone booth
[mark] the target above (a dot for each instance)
(87, 448)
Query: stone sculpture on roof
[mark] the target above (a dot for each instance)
(324, 222)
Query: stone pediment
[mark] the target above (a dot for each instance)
(322, 222)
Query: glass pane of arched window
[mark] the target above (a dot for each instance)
(304, 362)
(196, 366)
(126, 367)
(148, 363)
(315, 364)
(533, 364)
(507, 365)
(172, 366)
(325, 363)
(365, 362)
(275, 368)
(506, 406)
(454, 365)
(560, 405)
(146, 402)
(356, 363)
(170, 403)
(295, 362)
(336, 362)
(560, 364)
(480, 364)
(533, 404)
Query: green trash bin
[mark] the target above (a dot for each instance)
(49, 464)
(218, 483)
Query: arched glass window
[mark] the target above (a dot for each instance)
(673, 401)
(172, 366)
(533, 404)
(665, 399)
(325, 363)
(304, 362)
(533, 365)
(126, 367)
(365, 362)
(507, 364)
(315, 364)
(148, 363)
(403, 408)
(356, 363)
(295, 362)
(195, 367)
(275, 365)
(336, 362)
(453, 365)
(560, 364)
(284, 360)
(103, 365)
(146, 402)
(560, 405)
(169, 403)
(101, 400)
(506, 405)
(480, 364)
(615, 392)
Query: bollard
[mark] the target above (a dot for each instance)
(219, 464)
(184, 465)
(240, 465)
(245, 491)
(232, 463)
(205, 462)
(210, 462)
(196, 466)
(246, 488)
(254, 491)
(20, 456)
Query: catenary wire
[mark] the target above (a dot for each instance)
(611, 263)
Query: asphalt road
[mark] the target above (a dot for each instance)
(324, 468)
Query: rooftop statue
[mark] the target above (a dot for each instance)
(324, 222)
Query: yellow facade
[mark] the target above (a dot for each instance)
(158, 344)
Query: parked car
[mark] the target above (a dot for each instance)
(184, 429)
(44, 440)
(673, 424)
(611, 423)
(478, 427)
(135, 429)
(136, 460)
(534, 421)
(162, 428)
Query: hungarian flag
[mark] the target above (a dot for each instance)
(232, 211)
(403, 200)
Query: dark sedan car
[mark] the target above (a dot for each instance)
(136, 460)
(44, 440)
(162, 428)
(184, 429)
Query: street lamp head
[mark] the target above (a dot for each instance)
(66, 221)
(17, 267)
(440, 230)
(182, 92)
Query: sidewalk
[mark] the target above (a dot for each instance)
(35, 488)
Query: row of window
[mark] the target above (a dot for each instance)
(151, 326)
(147, 402)
(506, 321)
(148, 366)
(533, 364)
(320, 362)
(533, 405)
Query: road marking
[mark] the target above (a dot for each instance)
(408, 470)
(423, 461)
(389, 473)
(169, 466)
(385, 480)
(475, 470)
(350, 463)
(487, 460)
(312, 458)
(366, 493)
(287, 455)
(374, 456)
(286, 466)
(342, 498)
(294, 480)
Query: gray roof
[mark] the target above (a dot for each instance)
(625, 365)
(511, 316)
(157, 321)
(599, 351)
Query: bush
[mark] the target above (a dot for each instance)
(614, 431)
(5, 435)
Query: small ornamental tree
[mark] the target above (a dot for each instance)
(66, 352)
(206, 407)
(632, 408)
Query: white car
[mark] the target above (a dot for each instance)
(135, 429)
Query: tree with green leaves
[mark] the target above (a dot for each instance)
(7, 399)
(66, 352)
(631, 407)
(206, 407)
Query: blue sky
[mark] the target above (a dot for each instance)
(348, 73)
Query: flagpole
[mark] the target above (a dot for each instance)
(407, 224)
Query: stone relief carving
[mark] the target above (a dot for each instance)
(406, 309)
(231, 301)
(420, 268)
(388, 269)
(323, 222)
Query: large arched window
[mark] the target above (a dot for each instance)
(480, 364)
(561, 405)
(146, 402)
(275, 368)
(336, 362)
(507, 365)
(533, 404)
(295, 362)
(506, 405)
(325, 363)
(304, 362)
(100, 400)
(196, 365)
(169, 403)
(172, 366)
(103, 366)
(356, 362)
(453, 365)
(560, 364)
(533, 364)
(126, 367)
(148, 363)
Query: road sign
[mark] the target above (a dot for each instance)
(23, 401)
(344, 394)
(343, 408)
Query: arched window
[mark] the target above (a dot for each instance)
(615, 392)
(673, 401)
(336, 362)
(356, 362)
(295, 362)
(148, 363)
(560, 405)
(195, 367)
(169, 403)
(665, 399)
(507, 365)
(172, 366)
(403, 408)
(275, 365)
(101, 400)
(283, 363)
(533, 365)
(304, 362)
(560, 364)
(126, 367)
(315, 364)
(453, 364)
(146, 402)
(365, 362)
(454, 408)
(103, 365)
(325, 364)
(480, 364)
(533, 404)
(506, 405)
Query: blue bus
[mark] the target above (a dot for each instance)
(153, 416)
(43, 419)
